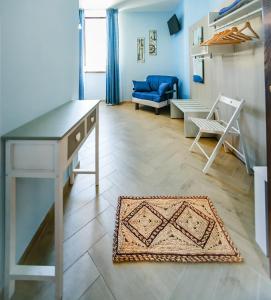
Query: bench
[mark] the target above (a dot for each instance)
(185, 109)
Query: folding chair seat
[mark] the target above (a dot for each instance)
(209, 126)
(222, 128)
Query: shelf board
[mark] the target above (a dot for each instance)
(250, 9)
(27, 272)
(213, 50)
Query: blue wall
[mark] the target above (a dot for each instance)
(132, 26)
(39, 71)
(95, 86)
(173, 51)
(189, 12)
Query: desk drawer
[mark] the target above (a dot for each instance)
(75, 138)
(91, 119)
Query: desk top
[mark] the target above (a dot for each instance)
(55, 124)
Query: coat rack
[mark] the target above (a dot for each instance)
(233, 36)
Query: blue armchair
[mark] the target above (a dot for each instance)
(156, 91)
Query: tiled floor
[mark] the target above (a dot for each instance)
(145, 154)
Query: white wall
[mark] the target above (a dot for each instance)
(238, 75)
(39, 51)
(133, 25)
(39, 72)
(95, 86)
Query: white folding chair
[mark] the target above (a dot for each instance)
(221, 128)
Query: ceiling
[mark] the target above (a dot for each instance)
(131, 5)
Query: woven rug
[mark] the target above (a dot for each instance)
(171, 229)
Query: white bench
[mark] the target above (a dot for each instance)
(185, 109)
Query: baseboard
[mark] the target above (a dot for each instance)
(48, 218)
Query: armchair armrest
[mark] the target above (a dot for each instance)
(170, 92)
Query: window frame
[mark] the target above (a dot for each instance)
(86, 70)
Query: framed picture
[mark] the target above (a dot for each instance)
(141, 50)
(153, 42)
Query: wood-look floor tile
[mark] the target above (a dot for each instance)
(264, 292)
(82, 216)
(135, 280)
(107, 219)
(74, 203)
(198, 282)
(237, 282)
(26, 290)
(98, 291)
(80, 242)
(79, 277)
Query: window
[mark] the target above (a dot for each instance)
(95, 41)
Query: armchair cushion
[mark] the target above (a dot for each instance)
(157, 88)
(141, 86)
(163, 88)
(152, 96)
(155, 81)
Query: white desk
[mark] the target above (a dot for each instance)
(44, 148)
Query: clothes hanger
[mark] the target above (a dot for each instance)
(248, 26)
(224, 38)
(232, 36)
(215, 38)
(243, 36)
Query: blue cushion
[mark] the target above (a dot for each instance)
(227, 8)
(152, 96)
(155, 81)
(163, 87)
(141, 86)
(235, 5)
(197, 78)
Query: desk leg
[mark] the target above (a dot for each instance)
(97, 147)
(58, 238)
(10, 235)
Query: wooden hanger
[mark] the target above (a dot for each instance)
(232, 36)
(243, 36)
(215, 38)
(248, 26)
(224, 38)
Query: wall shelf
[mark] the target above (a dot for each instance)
(210, 51)
(249, 10)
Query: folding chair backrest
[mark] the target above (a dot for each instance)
(229, 101)
(237, 105)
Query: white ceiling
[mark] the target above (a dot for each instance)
(131, 5)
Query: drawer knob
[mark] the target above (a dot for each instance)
(92, 119)
(78, 137)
